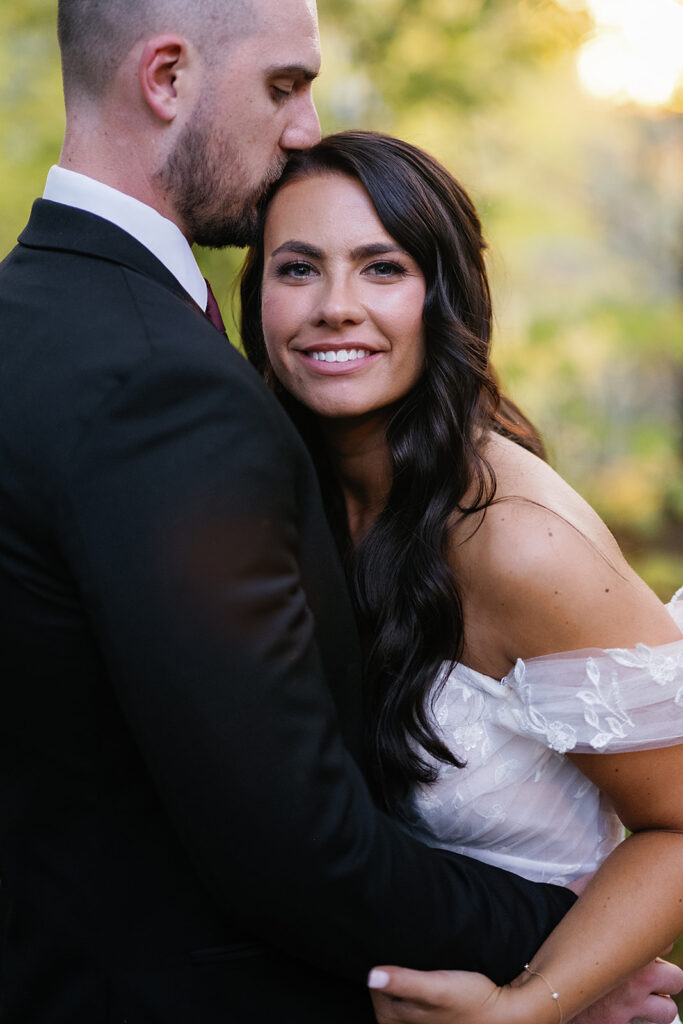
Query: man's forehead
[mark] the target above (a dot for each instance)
(289, 43)
(286, 41)
(283, 11)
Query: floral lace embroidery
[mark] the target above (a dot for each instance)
(661, 667)
(519, 803)
(604, 711)
(469, 737)
(560, 736)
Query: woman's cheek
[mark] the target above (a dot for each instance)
(271, 317)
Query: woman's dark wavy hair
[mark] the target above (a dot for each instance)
(406, 595)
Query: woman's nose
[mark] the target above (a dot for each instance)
(338, 305)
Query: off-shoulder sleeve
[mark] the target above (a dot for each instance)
(612, 700)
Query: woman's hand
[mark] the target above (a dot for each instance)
(459, 997)
(436, 997)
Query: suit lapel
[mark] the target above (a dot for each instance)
(63, 228)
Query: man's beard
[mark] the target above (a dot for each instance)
(202, 180)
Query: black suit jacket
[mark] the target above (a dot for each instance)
(184, 834)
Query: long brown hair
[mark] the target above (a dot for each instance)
(406, 596)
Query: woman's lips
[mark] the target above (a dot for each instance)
(338, 355)
(339, 359)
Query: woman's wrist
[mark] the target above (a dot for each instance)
(532, 997)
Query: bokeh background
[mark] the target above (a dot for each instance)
(564, 120)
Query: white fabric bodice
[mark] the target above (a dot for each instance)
(519, 803)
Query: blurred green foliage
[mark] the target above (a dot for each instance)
(582, 204)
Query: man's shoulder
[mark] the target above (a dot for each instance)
(75, 279)
(56, 232)
(67, 305)
(78, 330)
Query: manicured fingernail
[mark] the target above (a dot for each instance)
(378, 979)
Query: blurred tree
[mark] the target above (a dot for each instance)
(31, 108)
(583, 206)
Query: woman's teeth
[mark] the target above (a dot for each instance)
(340, 355)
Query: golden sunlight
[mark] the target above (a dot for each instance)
(635, 52)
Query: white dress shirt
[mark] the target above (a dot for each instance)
(161, 236)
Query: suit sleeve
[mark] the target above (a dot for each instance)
(183, 525)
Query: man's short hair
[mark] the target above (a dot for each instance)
(96, 35)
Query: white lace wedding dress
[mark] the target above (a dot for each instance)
(519, 803)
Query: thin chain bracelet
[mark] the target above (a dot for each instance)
(554, 995)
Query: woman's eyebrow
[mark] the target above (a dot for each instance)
(375, 249)
(300, 248)
(359, 253)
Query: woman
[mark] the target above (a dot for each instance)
(471, 563)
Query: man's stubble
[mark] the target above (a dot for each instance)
(209, 185)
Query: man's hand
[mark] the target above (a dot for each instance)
(645, 996)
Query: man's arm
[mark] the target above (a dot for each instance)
(185, 530)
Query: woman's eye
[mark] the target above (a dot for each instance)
(385, 268)
(298, 271)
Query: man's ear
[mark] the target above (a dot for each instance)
(162, 62)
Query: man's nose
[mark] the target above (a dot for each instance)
(303, 128)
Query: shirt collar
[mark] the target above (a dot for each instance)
(161, 236)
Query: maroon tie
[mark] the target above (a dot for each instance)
(213, 311)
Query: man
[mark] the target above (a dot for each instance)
(184, 836)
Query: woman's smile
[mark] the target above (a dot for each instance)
(338, 359)
(342, 300)
(340, 355)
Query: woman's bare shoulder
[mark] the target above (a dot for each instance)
(542, 572)
(535, 517)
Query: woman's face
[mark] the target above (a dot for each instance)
(342, 301)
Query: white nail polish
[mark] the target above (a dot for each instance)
(378, 979)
